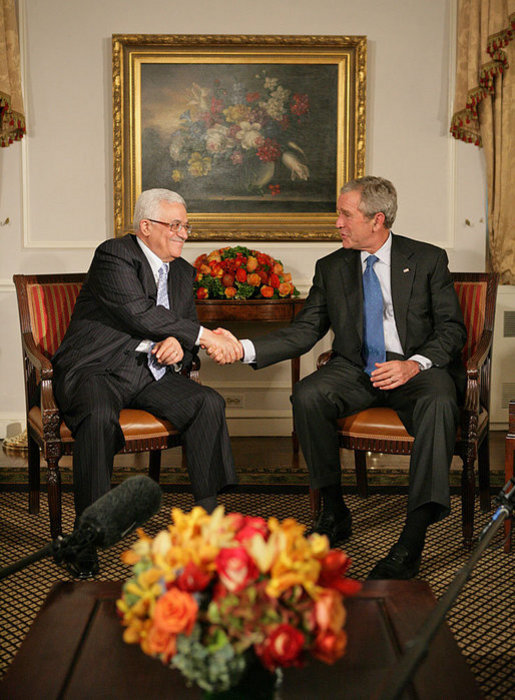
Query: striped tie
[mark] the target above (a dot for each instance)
(157, 369)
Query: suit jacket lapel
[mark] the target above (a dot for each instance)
(353, 288)
(403, 269)
(145, 271)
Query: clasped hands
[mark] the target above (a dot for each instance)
(392, 374)
(221, 346)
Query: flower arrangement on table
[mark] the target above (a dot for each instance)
(213, 592)
(240, 273)
(246, 130)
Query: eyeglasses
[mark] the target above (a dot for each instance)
(174, 226)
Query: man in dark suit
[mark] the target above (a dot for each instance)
(402, 350)
(129, 335)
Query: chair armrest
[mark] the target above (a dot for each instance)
(194, 370)
(324, 358)
(474, 367)
(41, 363)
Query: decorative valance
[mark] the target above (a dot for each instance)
(12, 118)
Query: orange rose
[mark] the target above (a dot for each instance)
(277, 268)
(267, 291)
(202, 293)
(175, 612)
(286, 276)
(254, 280)
(284, 289)
(252, 263)
(329, 646)
(230, 292)
(205, 269)
(160, 642)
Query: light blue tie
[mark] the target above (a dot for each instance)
(373, 333)
(155, 367)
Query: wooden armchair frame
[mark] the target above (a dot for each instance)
(379, 430)
(45, 305)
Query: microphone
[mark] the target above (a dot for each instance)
(104, 523)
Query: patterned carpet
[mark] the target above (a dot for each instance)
(482, 619)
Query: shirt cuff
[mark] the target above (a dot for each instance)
(199, 336)
(423, 361)
(249, 351)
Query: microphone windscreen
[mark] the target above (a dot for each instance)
(122, 509)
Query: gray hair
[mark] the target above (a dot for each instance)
(149, 201)
(377, 195)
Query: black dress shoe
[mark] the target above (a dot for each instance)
(337, 530)
(398, 564)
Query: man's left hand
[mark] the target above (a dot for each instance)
(390, 375)
(168, 351)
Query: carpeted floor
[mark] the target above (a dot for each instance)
(482, 619)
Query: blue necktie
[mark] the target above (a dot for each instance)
(155, 367)
(373, 333)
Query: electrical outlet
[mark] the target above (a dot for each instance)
(235, 400)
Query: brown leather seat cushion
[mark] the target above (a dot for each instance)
(136, 425)
(383, 424)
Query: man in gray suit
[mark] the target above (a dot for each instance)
(401, 349)
(133, 328)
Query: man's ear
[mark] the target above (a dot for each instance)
(144, 228)
(379, 219)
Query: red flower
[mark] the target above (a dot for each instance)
(274, 280)
(241, 275)
(274, 189)
(202, 293)
(329, 646)
(283, 647)
(332, 573)
(300, 104)
(252, 526)
(269, 151)
(236, 568)
(267, 292)
(192, 579)
(252, 96)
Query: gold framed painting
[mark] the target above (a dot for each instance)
(257, 133)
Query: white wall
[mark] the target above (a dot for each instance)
(56, 185)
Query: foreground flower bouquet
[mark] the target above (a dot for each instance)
(240, 273)
(213, 594)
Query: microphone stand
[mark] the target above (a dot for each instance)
(68, 550)
(417, 648)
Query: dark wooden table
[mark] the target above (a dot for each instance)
(74, 649)
(219, 311)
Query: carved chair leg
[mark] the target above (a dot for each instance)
(154, 465)
(54, 498)
(360, 463)
(34, 474)
(314, 502)
(509, 464)
(483, 461)
(468, 488)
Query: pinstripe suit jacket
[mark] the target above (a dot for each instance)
(427, 312)
(116, 309)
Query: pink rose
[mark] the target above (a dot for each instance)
(236, 568)
(250, 527)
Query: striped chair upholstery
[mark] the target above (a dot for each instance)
(379, 430)
(45, 305)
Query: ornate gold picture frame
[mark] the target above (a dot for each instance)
(258, 133)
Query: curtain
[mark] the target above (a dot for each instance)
(12, 119)
(484, 114)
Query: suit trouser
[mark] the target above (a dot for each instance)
(91, 404)
(426, 404)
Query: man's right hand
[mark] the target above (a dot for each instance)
(221, 345)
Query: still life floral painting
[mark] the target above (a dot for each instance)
(240, 137)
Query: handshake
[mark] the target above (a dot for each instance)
(221, 346)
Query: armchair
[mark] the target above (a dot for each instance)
(379, 430)
(45, 305)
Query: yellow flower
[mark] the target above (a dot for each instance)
(199, 165)
(236, 113)
(176, 175)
